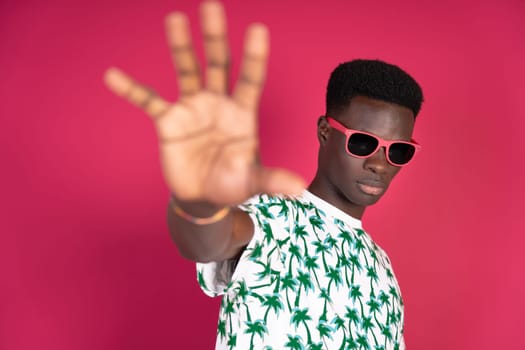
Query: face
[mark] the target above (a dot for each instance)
(352, 183)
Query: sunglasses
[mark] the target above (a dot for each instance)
(362, 144)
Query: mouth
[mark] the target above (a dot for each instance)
(372, 188)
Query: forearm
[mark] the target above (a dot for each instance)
(217, 241)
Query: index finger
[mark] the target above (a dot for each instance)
(213, 21)
(140, 95)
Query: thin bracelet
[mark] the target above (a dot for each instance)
(218, 216)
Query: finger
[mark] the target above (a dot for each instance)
(213, 21)
(182, 53)
(253, 67)
(279, 181)
(140, 95)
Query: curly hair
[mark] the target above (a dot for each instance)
(371, 78)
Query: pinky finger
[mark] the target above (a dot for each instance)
(140, 95)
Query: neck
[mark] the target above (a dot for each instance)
(331, 194)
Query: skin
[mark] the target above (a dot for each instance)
(208, 140)
(342, 179)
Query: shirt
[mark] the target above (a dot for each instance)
(310, 278)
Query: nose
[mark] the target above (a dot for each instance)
(377, 162)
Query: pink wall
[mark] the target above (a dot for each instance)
(85, 258)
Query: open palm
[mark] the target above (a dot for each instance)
(208, 139)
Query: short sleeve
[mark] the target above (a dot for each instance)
(215, 277)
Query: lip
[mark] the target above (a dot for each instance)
(371, 187)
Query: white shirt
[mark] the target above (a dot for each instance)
(310, 278)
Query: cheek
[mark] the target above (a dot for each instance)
(346, 167)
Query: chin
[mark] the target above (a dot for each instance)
(364, 200)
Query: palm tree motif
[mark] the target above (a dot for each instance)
(384, 300)
(360, 247)
(257, 327)
(373, 305)
(339, 324)
(356, 264)
(310, 262)
(221, 329)
(330, 241)
(393, 292)
(352, 315)
(372, 273)
(325, 330)
(268, 232)
(266, 272)
(284, 208)
(387, 333)
(295, 252)
(315, 346)
(229, 309)
(327, 299)
(301, 233)
(360, 232)
(301, 316)
(304, 281)
(346, 264)
(373, 252)
(264, 209)
(202, 282)
(339, 222)
(322, 248)
(288, 282)
(242, 290)
(362, 341)
(272, 302)
(355, 294)
(334, 275)
(351, 344)
(316, 222)
(383, 297)
(342, 256)
(282, 242)
(232, 340)
(346, 237)
(255, 252)
(299, 205)
(367, 325)
(294, 342)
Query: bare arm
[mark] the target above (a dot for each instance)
(208, 138)
(223, 240)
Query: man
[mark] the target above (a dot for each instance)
(295, 267)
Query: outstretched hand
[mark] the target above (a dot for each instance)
(208, 138)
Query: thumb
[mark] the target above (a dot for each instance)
(279, 181)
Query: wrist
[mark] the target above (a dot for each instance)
(199, 213)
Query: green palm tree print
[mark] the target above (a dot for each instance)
(311, 278)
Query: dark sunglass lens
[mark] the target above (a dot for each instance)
(362, 144)
(401, 153)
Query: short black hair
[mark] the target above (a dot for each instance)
(371, 78)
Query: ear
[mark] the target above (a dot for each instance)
(323, 129)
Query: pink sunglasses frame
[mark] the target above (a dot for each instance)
(381, 142)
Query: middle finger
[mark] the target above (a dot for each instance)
(213, 22)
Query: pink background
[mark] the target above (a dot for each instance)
(85, 258)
